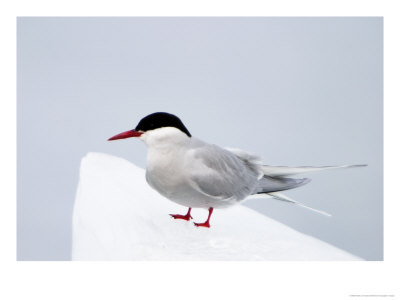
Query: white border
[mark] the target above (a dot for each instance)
(195, 280)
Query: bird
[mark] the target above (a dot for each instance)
(197, 174)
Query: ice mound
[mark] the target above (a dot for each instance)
(117, 216)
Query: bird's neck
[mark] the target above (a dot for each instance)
(165, 151)
(165, 140)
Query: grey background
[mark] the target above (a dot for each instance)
(296, 91)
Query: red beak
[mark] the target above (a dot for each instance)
(126, 134)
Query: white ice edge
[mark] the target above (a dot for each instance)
(117, 216)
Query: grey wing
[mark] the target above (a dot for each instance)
(220, 174)
(275, 184)
(267, 183)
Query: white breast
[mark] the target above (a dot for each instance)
(163, 173)
(164, 168)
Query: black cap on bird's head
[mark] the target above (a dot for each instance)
(151, 122)
(159, 120)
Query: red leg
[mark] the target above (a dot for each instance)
(186, 217)
(206, 223)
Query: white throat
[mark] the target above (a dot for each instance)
(166, 137)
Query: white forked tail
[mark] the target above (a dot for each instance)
(276, 171)
(282, 197)
(282, 172)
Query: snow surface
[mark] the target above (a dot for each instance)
(117, 216)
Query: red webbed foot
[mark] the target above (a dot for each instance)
(206, 223)
(186, 217)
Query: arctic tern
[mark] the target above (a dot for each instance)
(196, 174)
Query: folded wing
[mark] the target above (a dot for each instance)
(220, 174)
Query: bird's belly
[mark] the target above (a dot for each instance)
(166, 183)
(178, 190)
